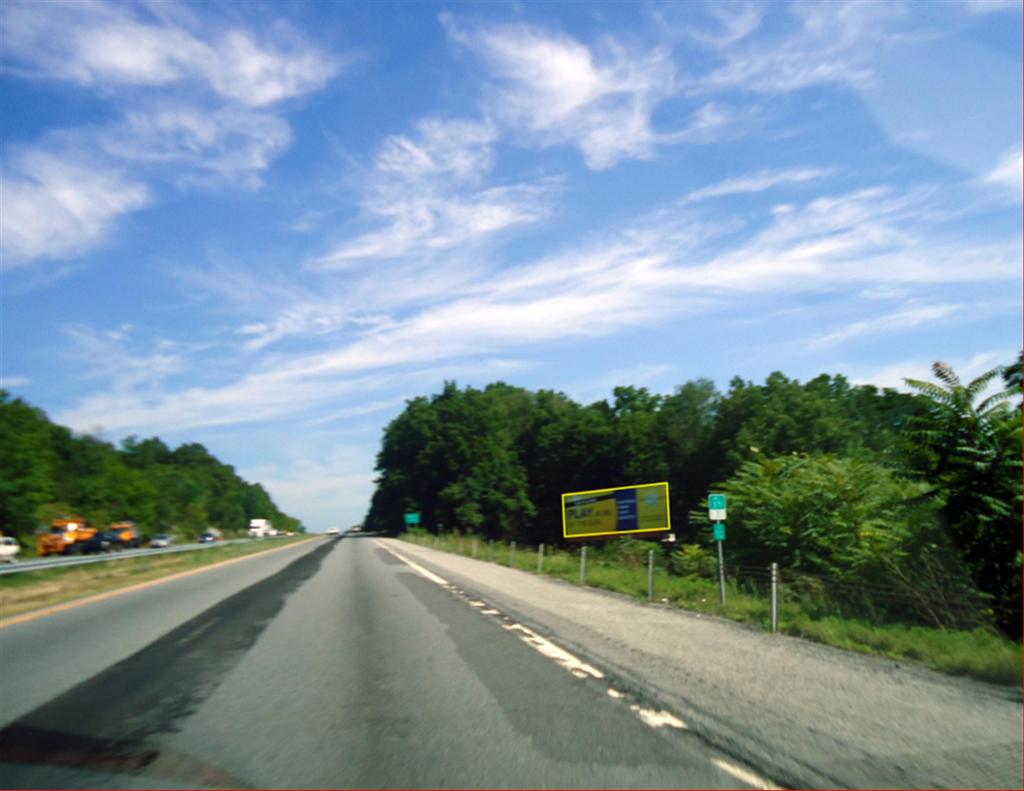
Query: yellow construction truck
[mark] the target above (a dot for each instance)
(67, 536)
(127, 534)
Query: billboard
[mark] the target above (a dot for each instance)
(618, 511)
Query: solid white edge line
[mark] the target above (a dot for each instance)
(416, 566)
(747, 777)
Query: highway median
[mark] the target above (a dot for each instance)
(37, 590)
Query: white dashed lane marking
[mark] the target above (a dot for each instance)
(573, 664)
(580, 669)
(658, 719)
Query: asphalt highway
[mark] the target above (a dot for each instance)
(329, 664)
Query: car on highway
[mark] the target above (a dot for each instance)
(333, 531)
(9, 549)
(105, 541)
(210, 536)
(161, 540)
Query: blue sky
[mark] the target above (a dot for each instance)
(263, 227)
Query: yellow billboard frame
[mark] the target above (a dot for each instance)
(668, 512)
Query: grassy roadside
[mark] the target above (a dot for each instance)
(980, 654)
(33, 590)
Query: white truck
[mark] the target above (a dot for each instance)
(259, 528)
(9, 549)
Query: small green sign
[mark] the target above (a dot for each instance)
(412, 519)
(716, 502)
(720, 530)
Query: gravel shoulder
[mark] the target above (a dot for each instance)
(802, 713)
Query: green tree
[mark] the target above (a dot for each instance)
(687, 421)
(1013, 373)
(26, 465)
(974, 465)
(825, 515)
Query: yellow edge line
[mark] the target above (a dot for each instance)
(96, 597)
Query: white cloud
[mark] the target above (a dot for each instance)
(892, 375)
(660, 268)
(733, 22)
(870, 237)
(654, 270)
(757, 182)
(457, 149)
(601, 386)
(425, 193)
(109, 356)
(193, 97)
(56, 206)
(231, 143)
(113, 45)
(990, 6)
(833, 42)
(367, 408)
(274, 390)
(13, 381)
(1008, 174)
(910, 316)
(556, 90)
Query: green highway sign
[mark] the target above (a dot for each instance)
(719, 531)
(716, 507)
(412, 518)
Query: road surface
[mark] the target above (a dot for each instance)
(333, 664)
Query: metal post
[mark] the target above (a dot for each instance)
(650, 575)
(490, 550)
(583, 566)
(540, 559)
(721, 574)
(511, 553)
(474, 548)
(775, 598)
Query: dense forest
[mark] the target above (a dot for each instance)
(47, 472)
(828, 479)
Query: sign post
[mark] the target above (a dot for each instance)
(716, 510)
(411, 518)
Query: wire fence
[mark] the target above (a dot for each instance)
(648, 570)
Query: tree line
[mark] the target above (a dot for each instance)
(46, 472)
(845, 483)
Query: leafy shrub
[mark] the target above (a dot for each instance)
(692, 559)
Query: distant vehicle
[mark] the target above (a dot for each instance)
(66, 537)
(107, 541)
(210, 535)
(9, 549)
(258, 528)
(161, 540)
(127, 534)
(333, 531)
